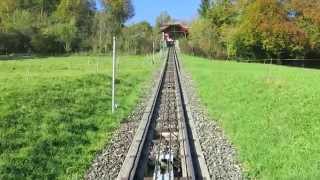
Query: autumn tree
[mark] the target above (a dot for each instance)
(306, 14)
(258, 29)
(266, 22)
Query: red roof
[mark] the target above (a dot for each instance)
(183, 27)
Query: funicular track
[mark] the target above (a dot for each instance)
(166, 145)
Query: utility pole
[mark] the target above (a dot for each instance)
(113, 73)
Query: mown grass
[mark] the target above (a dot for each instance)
(55, 113)
(270, 113)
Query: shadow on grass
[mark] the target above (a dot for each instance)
(29, 56)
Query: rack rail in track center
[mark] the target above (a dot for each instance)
(166, 145)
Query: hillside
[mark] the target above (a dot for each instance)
(55, 113)
(270, 113)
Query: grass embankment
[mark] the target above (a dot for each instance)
(55, 112)
(270, 113)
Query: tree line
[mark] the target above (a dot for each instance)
(256, 29)
(66, 26)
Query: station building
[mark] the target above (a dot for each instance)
(175, 30)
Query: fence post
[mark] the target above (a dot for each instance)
(153, 49)
(113, 73)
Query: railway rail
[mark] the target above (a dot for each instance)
(166, 145)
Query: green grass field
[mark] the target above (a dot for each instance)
(55, 113)
(270, 113)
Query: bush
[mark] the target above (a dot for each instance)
(14, 42)
(204, 40)
(46, 44)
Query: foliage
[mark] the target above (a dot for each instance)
(110, 22)
(121, 10)
(133, 39)
(74, 25)
(13, 41)
(259, 29)
(204, 7)
(66, 26)
(206, 42)
(162, 19)
(65, 33)
(307, 15)
(138, 38)
(207, 31)
(102, 36)
(64, 21)
(270, 114)
(46, 44)
(55, 113)
(268, 22)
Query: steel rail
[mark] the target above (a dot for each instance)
(192, 162)
(198, 159)
(131, 161)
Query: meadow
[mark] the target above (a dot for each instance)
(270, 114)
(55, 113)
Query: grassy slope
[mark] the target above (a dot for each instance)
(55, 112)
(271, 114)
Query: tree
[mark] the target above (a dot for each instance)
(53, 25)
(110, 22)
(268, 21)
(206, 33)
(204, 7)
(119, 10)
(72, 20)
(46, 44)
(222, 12)
(308, 9)
(205, 39)
(103, 25)
(306, 14)
(137, 38)
(162, 19)
(66, 33)
(7, 7)
(258, 29)
(72, 9)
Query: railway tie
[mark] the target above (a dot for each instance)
(165, 145)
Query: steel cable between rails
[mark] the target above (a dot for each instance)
(170, 147)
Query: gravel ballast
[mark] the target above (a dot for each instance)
(107, 164)
(220, 155)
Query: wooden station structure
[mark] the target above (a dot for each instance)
(175, 30)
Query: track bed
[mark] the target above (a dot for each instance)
(165, 145)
